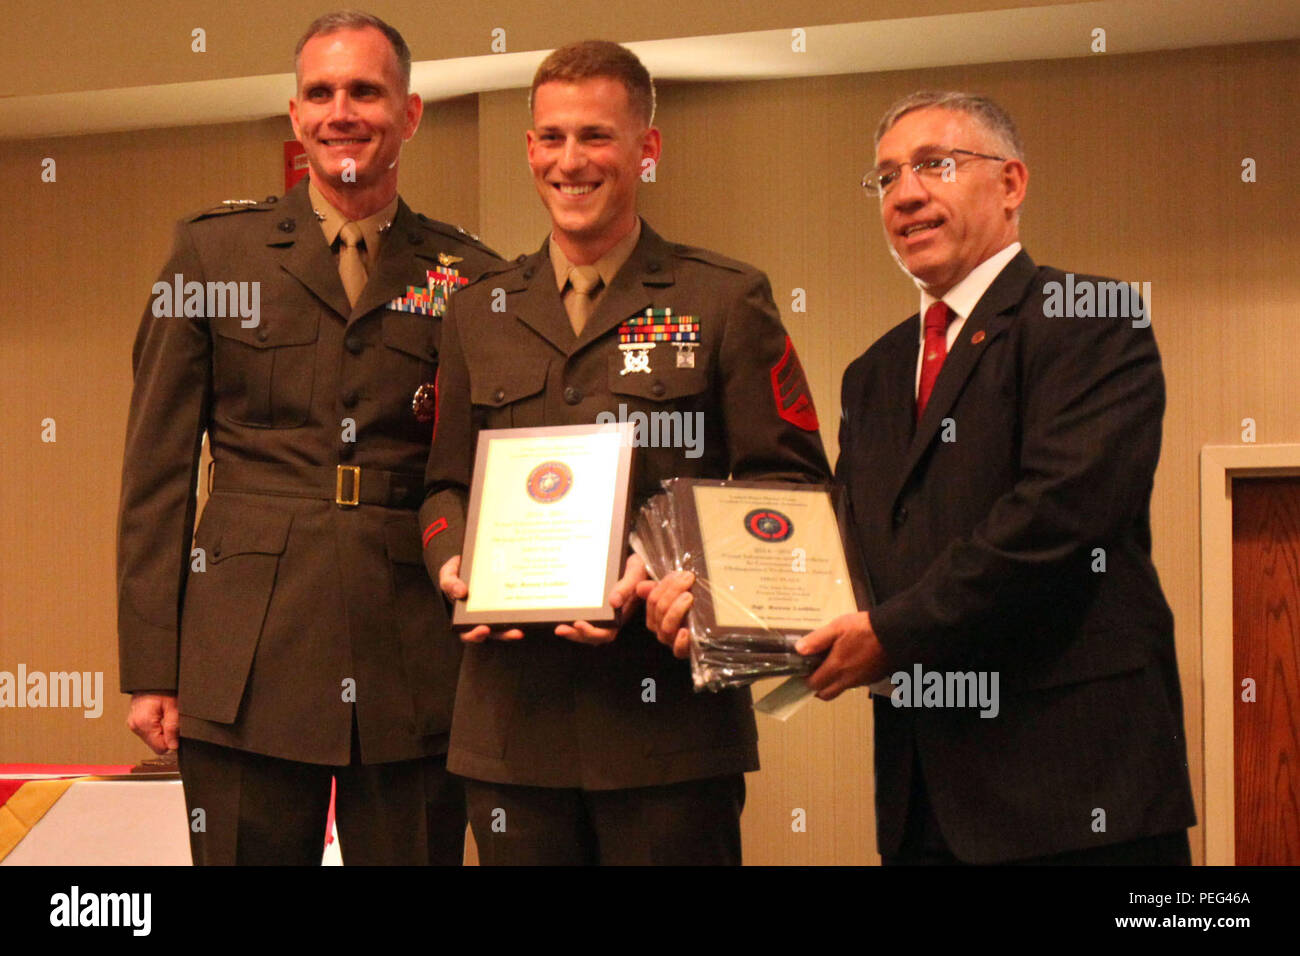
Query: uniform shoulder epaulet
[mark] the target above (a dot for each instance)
(229, 207)
(497, 269)
(709, 257)
(457, 233)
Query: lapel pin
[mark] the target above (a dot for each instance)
(977, 338)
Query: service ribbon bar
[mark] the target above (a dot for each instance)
(431, 300)
(659, 325)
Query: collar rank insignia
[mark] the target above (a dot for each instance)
(638, 335)
(432, 300)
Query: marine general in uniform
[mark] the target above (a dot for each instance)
(565, 751)
(296, 636)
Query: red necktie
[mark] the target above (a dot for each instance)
(934, 351)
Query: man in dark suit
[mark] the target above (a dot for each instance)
(999, 459)
(297, 637)
(588, 745)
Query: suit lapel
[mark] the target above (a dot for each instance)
(900, 386)
(308, 258)
(991, 318)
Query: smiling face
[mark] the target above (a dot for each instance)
(351, 113)
(586, 150)
(940, 230)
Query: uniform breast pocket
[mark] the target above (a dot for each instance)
(668, 406)
(410, 349)
(263, 376)
(509, 396)
(663, 383)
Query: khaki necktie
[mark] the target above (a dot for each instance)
(352, 270)
(586, 283)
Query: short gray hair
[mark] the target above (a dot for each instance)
(992, 117)
(356, 20)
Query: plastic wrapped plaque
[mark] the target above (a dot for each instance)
(771, 563)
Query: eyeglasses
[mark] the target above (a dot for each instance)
(941, 164)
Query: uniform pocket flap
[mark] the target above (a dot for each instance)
(247, 530)
(402, 538)
(662, 383)
(499, 385)
(411, 333)
(271, 331)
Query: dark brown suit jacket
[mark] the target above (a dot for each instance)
(299, 605)
(545, 711)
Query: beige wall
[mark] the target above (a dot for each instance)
(1135, 172)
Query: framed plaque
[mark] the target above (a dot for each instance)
(774, 560)
(547, 524)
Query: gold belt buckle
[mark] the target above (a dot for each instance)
(355, 499)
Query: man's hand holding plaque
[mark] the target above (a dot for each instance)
(852, 653)
(623, 598)
(667, 602)
(744, 571)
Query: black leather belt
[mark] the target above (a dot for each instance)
(346, 485)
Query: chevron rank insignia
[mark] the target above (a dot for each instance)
(433, 299)
(790, 390)
(639, 334)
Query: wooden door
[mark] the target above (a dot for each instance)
(1266, 666)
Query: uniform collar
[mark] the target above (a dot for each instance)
(607, 265)
(373, 227)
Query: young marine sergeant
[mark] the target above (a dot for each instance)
(562, 748)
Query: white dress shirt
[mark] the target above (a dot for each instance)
(961, 299)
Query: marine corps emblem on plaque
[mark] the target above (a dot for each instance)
(767, 524)
(550, 481)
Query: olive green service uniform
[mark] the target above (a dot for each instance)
(563, 737)
(301, 633)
